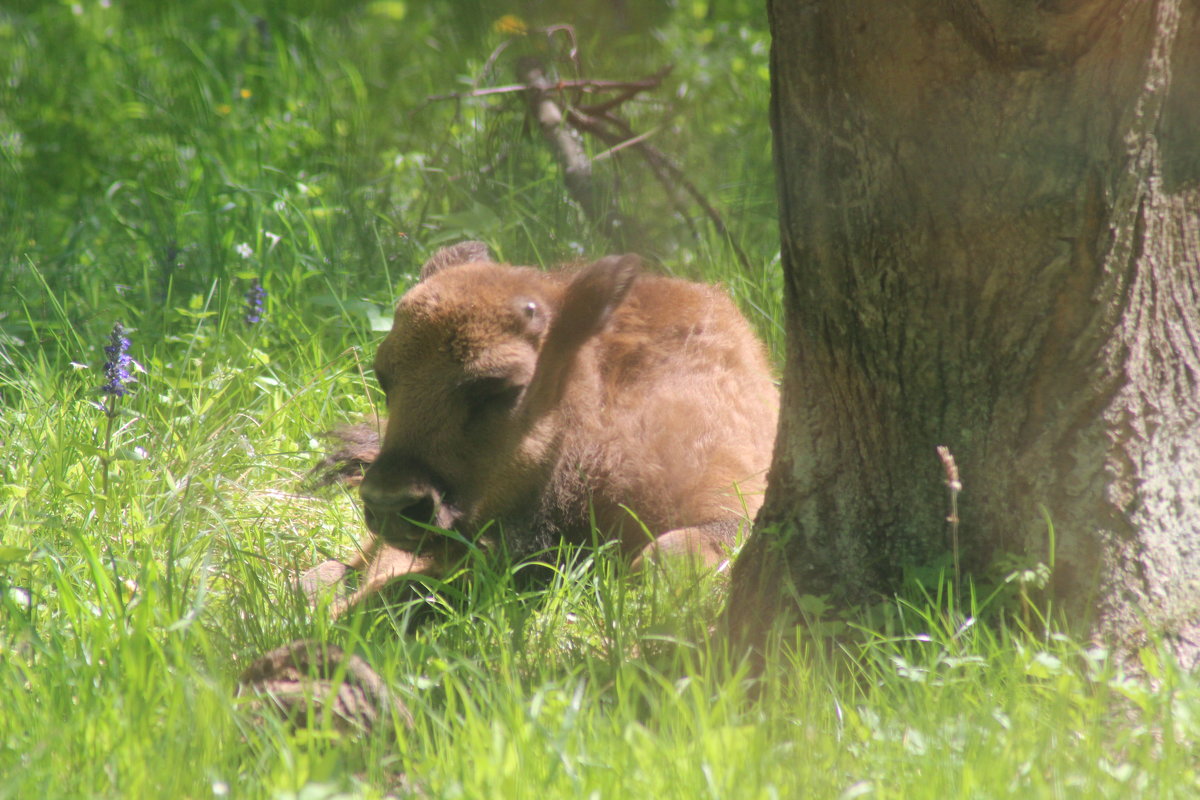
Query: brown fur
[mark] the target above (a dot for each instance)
(524, 406)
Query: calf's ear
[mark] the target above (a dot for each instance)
(455, 254)
(590, 299)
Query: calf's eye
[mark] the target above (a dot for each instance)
(491, 394)
(530, 318)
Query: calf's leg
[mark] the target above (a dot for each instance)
(707, 545)
(379, 564)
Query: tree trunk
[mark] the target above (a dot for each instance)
(990, 214)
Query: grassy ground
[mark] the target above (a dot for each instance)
(156, 160)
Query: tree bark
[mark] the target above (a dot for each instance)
(990, 217)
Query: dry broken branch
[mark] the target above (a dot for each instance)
(628, 89)
(669, 174)
(315, 677)
(577, 167)
(561, 121)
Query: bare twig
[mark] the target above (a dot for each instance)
(596, 127)
(630, 90)
(627, 88)
(577, 167)
(569, 30)
(487, 66)
(627, 143)
(667, 172)
(555, 116)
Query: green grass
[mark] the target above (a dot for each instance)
(141, 144)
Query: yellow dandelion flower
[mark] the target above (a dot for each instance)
(393, 10)
(510, 24)
(246, 94)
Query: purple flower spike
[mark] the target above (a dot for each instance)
(254, 303)
(116, 369)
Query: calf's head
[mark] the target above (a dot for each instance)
(479, 359)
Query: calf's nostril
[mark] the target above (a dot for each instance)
(421, 510)
(418, 505)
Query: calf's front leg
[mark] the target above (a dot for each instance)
(379, 564)
(707, 545)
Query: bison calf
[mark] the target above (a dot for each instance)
(528, 407)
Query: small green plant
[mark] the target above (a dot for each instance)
(1030, 575)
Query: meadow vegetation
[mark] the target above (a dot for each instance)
(246, 188)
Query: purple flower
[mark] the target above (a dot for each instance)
(116, 369)
(254, 303)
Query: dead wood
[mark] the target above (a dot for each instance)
(307, 675)
(562, 120)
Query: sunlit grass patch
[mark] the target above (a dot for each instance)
(246, 189)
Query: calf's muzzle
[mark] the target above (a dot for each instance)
(397, 509)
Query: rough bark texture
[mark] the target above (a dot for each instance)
(990, 218)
